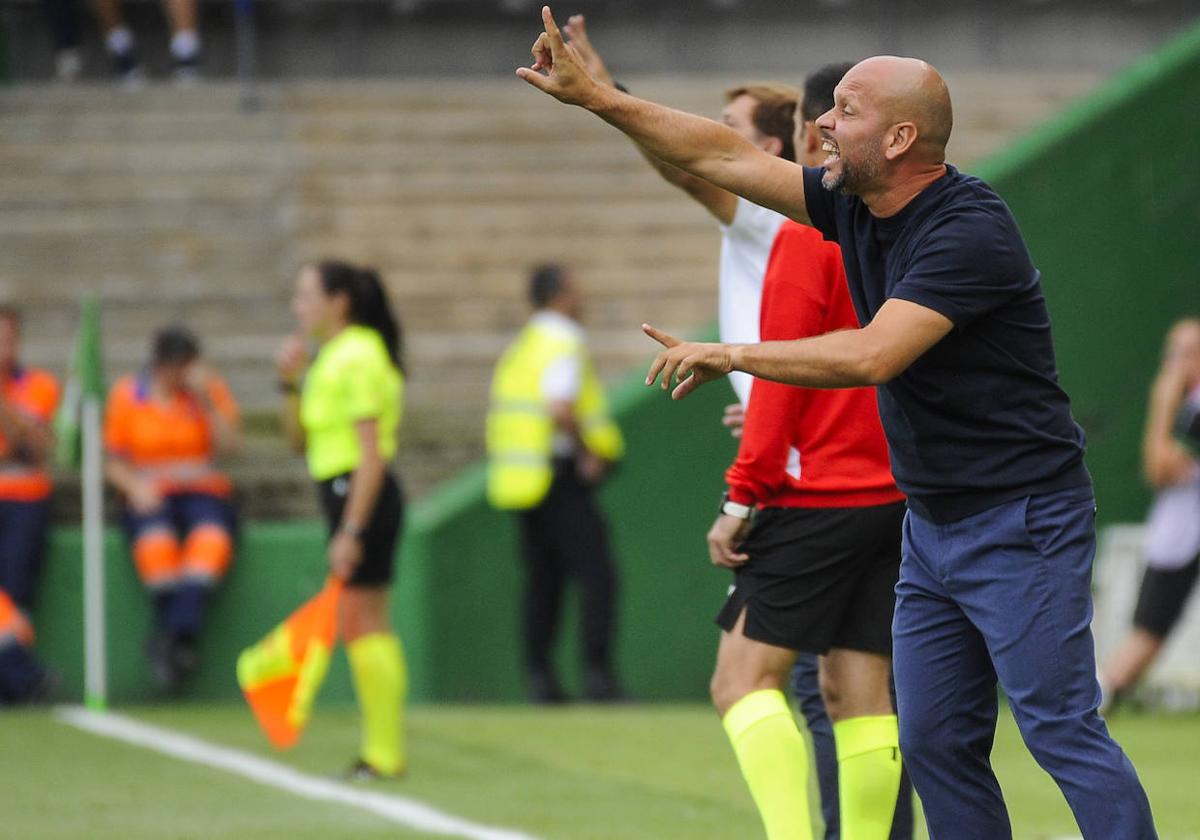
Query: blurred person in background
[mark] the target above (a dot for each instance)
(182, 17)
(164, 429)
(764, 114)
(1172, 541)
(63, 20)
(28, 399)
(343, 411)
(551, 441)
(751, 240)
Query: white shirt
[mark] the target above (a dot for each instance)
(1173, 527)
(563, 377)
(745, 249)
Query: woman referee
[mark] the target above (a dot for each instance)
(344, 419)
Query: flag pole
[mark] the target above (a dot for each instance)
(95, 632)
(79, 443)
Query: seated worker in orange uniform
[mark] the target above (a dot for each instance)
(163, 429)
(28, 399)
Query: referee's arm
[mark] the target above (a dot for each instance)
(896, 337)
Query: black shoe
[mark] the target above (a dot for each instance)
(159, 651)
(41, 692)
(127, 69)
(186, 71)
(602, 687)
(544, 690)
(184, 656)
(45, 691)
(362, 772)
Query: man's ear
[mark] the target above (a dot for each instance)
(773, 146)
(812, 137)
(901, 138)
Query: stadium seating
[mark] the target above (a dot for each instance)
(173, 208)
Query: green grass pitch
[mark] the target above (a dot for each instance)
(584, 773)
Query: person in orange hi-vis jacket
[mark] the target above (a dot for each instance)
(164, 427)
(28, 399)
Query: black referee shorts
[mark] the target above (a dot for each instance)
(1162, 597)
(382, 532)
(819, 578)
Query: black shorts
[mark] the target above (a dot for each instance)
(383, 528)
(1162, 597)
(819, 578)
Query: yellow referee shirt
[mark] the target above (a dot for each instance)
(352, 379)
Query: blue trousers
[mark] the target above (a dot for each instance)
(179, 609)
(1005, 595)
(20, 673)
(181, 512)
(806, 688)
(23, 528)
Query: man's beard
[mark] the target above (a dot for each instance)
(834, 183)
(853, 177)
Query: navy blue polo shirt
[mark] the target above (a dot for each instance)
(980, 418)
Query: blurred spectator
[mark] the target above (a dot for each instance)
(182, 17)
(163, 429)
(28, 398)
(1172, 546)
(63, 19)
(550, 442)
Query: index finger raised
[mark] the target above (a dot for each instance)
(556, 38)
(665, 339)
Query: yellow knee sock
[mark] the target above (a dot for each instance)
(774, 761)
(868, 751)
(381, 683)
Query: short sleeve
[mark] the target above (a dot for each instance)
(966, 267)
(753, 223)
(222, 400)
(820, 203)
(45, 401)
(362, 390)
(561, 380)
(116, 421)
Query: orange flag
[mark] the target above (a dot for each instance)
(13, 623)
(281, 674)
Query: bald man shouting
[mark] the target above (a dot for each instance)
(1000, 533)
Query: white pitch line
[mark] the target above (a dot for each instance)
(398, 809)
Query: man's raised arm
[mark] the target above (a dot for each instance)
(721, 204)
(699, 146)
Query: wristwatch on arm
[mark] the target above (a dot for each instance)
(352, 530)
(732, 508)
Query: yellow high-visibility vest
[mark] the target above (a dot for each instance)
(520, 429)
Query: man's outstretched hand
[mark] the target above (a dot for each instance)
(557, 68)
(690, 363)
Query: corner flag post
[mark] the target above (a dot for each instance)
(79, 429)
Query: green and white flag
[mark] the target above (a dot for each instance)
(85, 378)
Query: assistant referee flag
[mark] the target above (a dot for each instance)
(281, 674)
